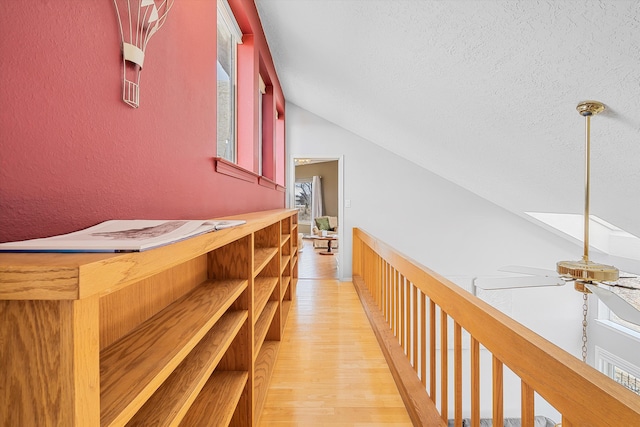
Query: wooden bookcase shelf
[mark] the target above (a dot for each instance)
(186, 334)
(263, 369)
(285, 285)
(133, 367)
(262, 257)
(263, 289)
(218, 401)
(168, 404)
(263, 324)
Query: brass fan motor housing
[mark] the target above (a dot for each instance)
(587, 271)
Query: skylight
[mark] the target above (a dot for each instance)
(603, 236)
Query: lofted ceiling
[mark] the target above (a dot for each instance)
(483, 93)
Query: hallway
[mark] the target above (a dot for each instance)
(330, 369)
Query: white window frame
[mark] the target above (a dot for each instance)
(308, 180)
(607, 362)
(262, 90)
(225, 17)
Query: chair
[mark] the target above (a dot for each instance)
(328, 224)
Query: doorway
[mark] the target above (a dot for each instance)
(313, 265)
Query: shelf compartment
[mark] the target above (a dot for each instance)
(262, 257)
(284, 239)
(285, 285)
(217, 402)
(284, 262)
(263, 323)
(286, 307)
(262, 290)
(132, 368)
(171, 401)
(262, 373)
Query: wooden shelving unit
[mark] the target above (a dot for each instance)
(185, 334)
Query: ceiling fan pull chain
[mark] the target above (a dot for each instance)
(585, 307)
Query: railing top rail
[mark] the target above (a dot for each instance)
(581, 393)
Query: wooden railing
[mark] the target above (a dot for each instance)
(411, 308)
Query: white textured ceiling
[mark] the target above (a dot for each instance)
(482, 93)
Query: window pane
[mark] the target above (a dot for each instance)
(303, 201)
(226, 93)
(626, 379)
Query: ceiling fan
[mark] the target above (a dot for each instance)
(589, 277)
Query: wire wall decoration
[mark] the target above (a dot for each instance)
(138, 21)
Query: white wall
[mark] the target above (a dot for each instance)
(441, 225)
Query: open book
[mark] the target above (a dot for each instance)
(121, 236)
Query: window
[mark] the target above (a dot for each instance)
(619, 370)
(303, 200)
(229, 36)
(262, 89)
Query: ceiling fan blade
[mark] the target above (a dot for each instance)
(493, 283)
(619, 306)
(529, 270)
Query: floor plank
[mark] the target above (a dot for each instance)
(312, 265)
(330, 370)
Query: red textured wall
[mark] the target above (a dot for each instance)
(73, 154)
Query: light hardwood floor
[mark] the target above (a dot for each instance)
(330, 370)
(312, 265)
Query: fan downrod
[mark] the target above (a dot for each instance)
(585, 271)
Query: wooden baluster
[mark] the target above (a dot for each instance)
(475, 382)
(457, 362)
(498, 401)
(376, 284)
(385, 293)
(372, 270)
(444, 365)
(397, 306)
(432, 350)
(527, 408)
(357, 254)
(407, 321)
(423, 338)
(402, 311)
(383, 267)
(392, 303)
(414, 328)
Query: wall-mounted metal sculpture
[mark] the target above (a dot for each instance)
(138, 21)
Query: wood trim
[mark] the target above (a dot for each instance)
(266, 182)
(225, 167)
(228, 168)
(421, 409)
(51, 276)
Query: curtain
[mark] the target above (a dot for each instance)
(316, 199)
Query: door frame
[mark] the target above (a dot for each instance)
(290, 196)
